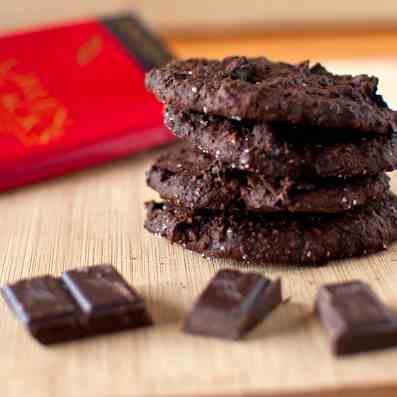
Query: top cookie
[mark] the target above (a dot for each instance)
(259, 89)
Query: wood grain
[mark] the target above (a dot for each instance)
(96, 216)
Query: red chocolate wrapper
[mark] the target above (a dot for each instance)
(74, 96)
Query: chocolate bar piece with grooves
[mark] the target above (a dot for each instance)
(82, 303)
(107, 302)
(355, 318)
(44, 306)
(232, 304)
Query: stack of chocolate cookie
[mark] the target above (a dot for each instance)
(279, 162)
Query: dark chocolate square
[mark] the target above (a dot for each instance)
(355, 318)
(45, 307)
(107, 301)
(232, 304)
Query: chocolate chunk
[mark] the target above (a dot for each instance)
(284, 150)
(189, 178)
(259, 89)
(232, 304)
(87, 302)
(46, 309)
(300, 239)
(107, 301)
(355, 318)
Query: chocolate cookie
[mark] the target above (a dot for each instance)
(189, 178)
(284, 150)
(258, 89)
(297, 239)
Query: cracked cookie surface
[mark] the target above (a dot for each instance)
(259, 89)
(189, 178)
(280, 150)
(274, 238)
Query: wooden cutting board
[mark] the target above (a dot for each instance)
(96, 216)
